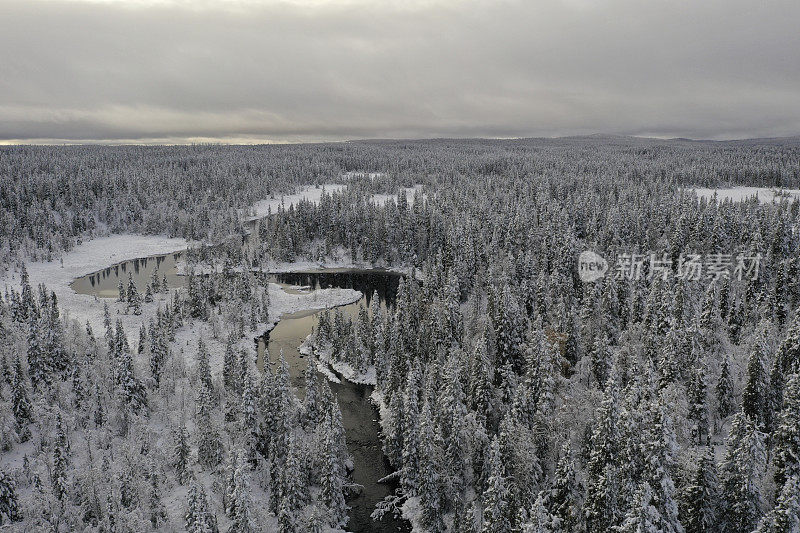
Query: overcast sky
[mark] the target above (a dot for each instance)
(302, 70)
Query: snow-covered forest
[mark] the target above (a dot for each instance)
(511, 395)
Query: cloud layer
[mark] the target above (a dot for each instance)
(318, 70)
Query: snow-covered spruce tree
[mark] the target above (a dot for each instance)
(496, 512)
(786, 437)
(740, 476)
(242, 520)
(698, 407)
(785, 516)
(134, 299)
(700, 499)
(563, 501)
(180, 454)
(754, 396)
(203, 365)
(209, 445)
(602, 509)
(20, 403)
(332, 479)
(724, 390)
(198, 517)
(9, 506)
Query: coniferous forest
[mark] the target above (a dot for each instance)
(511, 393)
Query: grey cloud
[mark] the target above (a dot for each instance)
(280, 71)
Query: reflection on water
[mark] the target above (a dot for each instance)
(359, 416)
(104, 283)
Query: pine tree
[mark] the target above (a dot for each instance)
(142, 339)
(230, 369)
(659, 456)
(290, 490)
(642, 516)
(60, 461)
(123, 295)
(698, 410)
(332, 482)
(131, 391)
(701, 497)
(9, 507)
(134, 298)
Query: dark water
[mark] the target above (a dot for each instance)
(359, 415)
(104, 283)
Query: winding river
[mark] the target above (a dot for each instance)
(359, 415)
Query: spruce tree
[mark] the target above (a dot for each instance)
(180, 454)
(754, 396)
(199, 518)
(9, 507)
(496, 511)
(740, 474)
(786, 438)
(785, 516)
(209, 446)
(724, 390)
(20, 403)
(701, 496)
(242, 519)
(602, 507)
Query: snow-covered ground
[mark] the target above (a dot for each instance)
(312, 193)
(381, 199)
(89, 257)
(738, 194)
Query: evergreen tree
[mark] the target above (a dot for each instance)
(203, 365)
(60, 461)
(698, 410)
(20, 403)
(563, 503)
(180, 454)
(9, 507)
(496, 511)
(332, 481)
(785, 516)
(602, 508)
(642, 516)
(242, 519)
(754, 396)
(786, 451)
(209, 446)
(724, 390)
(199, 518)
(701, 497)
(158, 513)
(740, 476)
